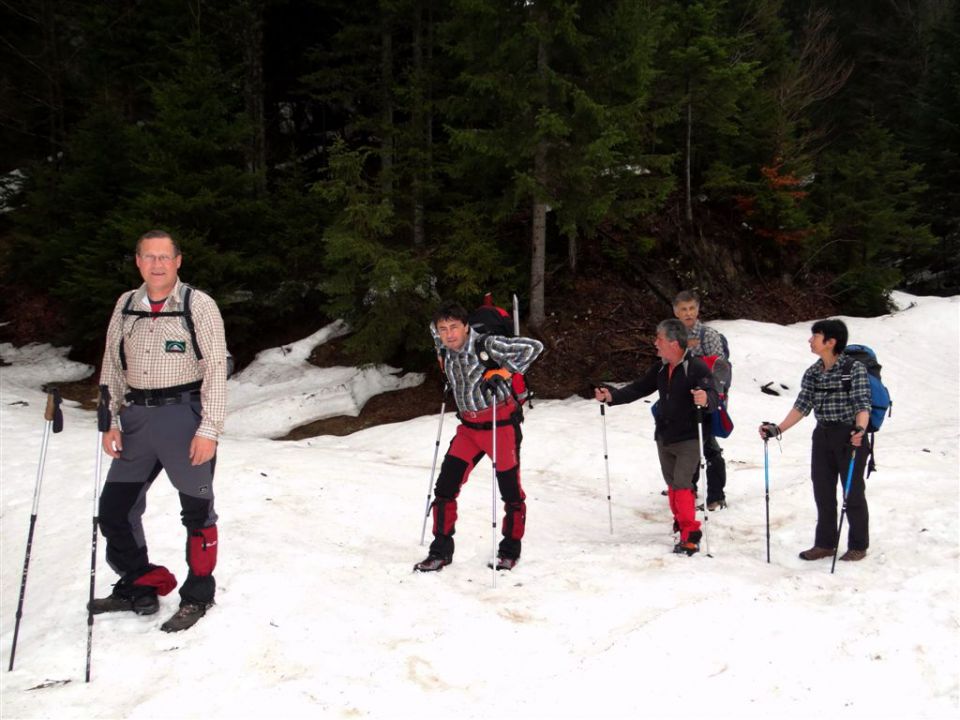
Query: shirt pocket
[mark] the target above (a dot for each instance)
(173, 342)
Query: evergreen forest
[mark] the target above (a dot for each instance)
(363, 159)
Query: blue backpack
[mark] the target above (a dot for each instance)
(880, 403)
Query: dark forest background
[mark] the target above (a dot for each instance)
(363, 159)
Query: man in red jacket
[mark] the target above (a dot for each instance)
(683, 383)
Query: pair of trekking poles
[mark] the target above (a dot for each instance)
(53, 421)
(702, 473)
(843, 510)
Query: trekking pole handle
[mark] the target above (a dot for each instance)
(103, 409)
(52, 402)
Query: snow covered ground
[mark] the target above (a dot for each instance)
(319, 614)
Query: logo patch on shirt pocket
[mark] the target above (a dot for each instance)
(175, 346)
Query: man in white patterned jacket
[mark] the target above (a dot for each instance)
(467, 360)
(165, 365)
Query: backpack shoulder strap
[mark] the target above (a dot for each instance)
(480, 347)
(126, 311)
(128, 307)
(846, 373)
(188, 319)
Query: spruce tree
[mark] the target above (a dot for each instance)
(870, 199)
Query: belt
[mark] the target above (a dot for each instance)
(835, 423)
(163, 396)
(512, 416)
(504, 411)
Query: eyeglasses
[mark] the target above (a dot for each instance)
(162, 259)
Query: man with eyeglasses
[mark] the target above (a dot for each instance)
(167, 402)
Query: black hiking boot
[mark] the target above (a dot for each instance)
(690, 546)
(433, 563)
(144, 604)
(186, 617)
(714, 505)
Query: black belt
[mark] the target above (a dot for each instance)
(835, 423)
(163, 396)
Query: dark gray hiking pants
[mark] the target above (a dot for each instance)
(155, 439)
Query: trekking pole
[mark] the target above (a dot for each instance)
(53, 418)
(843, 511)
(493, 497)
(766, 486)
(703, 483)
(606, 461)
(433, 467)
(103, 425)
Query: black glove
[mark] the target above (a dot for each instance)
(770, 430)
(494, 381)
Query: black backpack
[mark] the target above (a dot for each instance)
(186, 313)
(487, 320)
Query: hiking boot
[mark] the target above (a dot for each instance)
(145, 604)
(690, 546)
(816, 553)
(433, 563)
(716, 505)
(505, 563)
(186, 617)
(854, 555)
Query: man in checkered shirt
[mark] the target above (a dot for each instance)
(478, 390)
(842, 418)
(168, 400)
(702, 342)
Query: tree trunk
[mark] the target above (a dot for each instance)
(386, 133)
(688, 151)
(538, 259)
(419, 122)
(253, 95)
(53, 69)
(538, 255)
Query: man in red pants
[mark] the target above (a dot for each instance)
(477, 368)
(680, 380)
(166, 368)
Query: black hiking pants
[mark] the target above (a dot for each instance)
(830, 461)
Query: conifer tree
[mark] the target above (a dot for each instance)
(870, 198)
(706, 76)
(549, 113)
